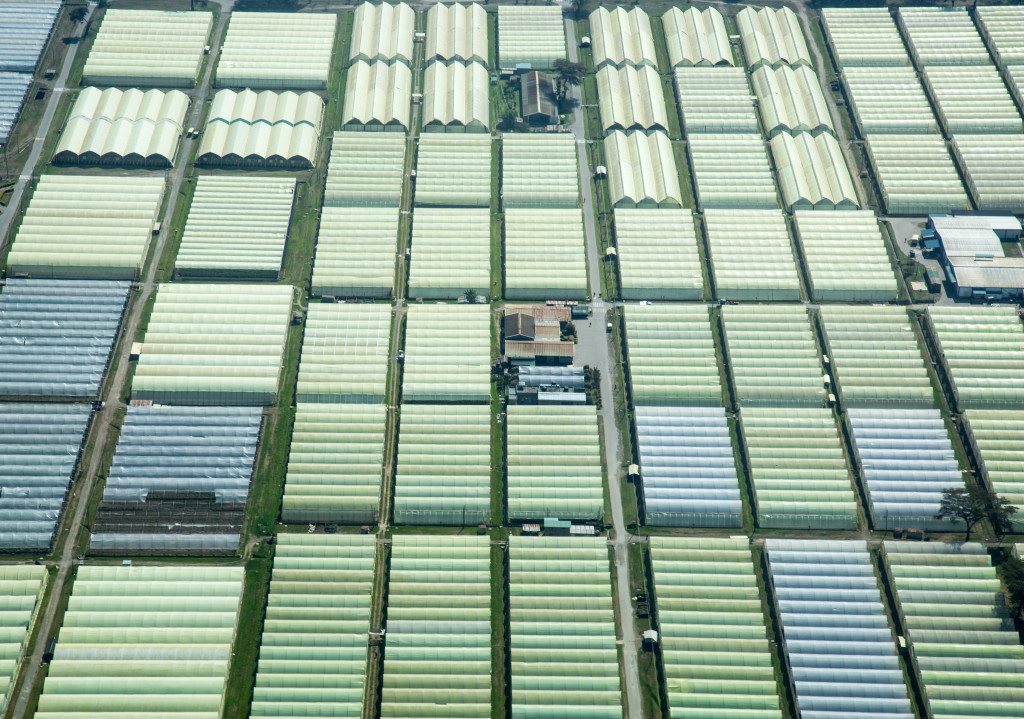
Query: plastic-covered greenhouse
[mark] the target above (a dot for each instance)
(622, 37)
(443, 473)
(715, 100)
(876, 358)
(773, 356)
(545, 254)
(997, 438)
(732, 171)
(539, 170)
(972, 100)
(366, 169)
(688, 467)
(642, 170)
(457, 32)
(312, 655)
(839, 647)
(237, 227)
(772, 36)
(383, 31)
(344, 353)
(553, 457)
(1014, 77)
(531, 36)
(631, 98)
(377, 96)
(864, 37)
(455, 97)
(906, 461)
(671, 355)
(14, 87)
(798, 468)
(25, 27)
(982, 349)
(855, 268)
(40, 444)
(87, 226)
(259, 50)
(875, 91)
(915, 174)
(942, 36)
(144, 640)
(438, 659)
(735, 237)
(564, 657)
(790, 100)
(657, 254)
(993, 167)
(21, 589)
(454, 170)
(56, 336)
(812, 172)
(714, 641)
(1003, 30)
(450, 252)
(214, 344)
(967, 656)
(447, 353)
(696, 37)
(335, 462)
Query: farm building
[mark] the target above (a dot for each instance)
(451, 252)
(259, 51)
(812, 172)
(731, 171)
(1003, 30)
(790, 100)
(545, 254)
(447, 353)
(993, 167)
(214, 344)
(642, 170)
(377, 97)
(846, 256)
(22, 588)
(455, 97)
(87, 226)
(344, 353)
(696, 37)
(875, 91)
(997, 440)
(915, 174)
(25, 27)
(365, 170)
(123, 127)
(772, 37)
(14, 87)
(972, 100)
(751, 255)
(538, 101)
(715, 101)
(530, 37)
(454, 171)
(382, 32)
(456, 32)
(262, 129)
(539, 170)
(942, 36)
(657, 255)
(630, 98)
(622, 37)
(148, 48)
(864, 37)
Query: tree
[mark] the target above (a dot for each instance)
(471, 296)
(972, 504)
(567, 74)
(1013, 577)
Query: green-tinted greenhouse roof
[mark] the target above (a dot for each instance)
(450, 252)
(732, 171)
(846, 256)
(715, 100)
(657, 254)
(997, 437)
(864, 37)
(915, 174)
(454, 170)
(751, 255)
(447, 353)
(545, 254)
(366, 169)
(530, 35)
(344, 353)
(355, 252)
(875, 91)
(21, 588)
(539, 170)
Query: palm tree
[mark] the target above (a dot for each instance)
(567, 74)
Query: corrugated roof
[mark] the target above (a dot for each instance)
(846, 256)
(366, 169)
(696, 37)
(355, 252)
(539, 170)
(916, 174)
(451, 252)
(972, 100)
(25, 27)
(622, 37)
(344, 353)
(453, 170)
(456, 96)
(532, 35)
(642, 169)
(1003, 29)
(630, 98)
(790, 100)
(447, 353)
(13, 89)
(864, 37)
(875, 91)
(751, 255)
(21, 591)
(259, 50)
(457, 31)
(993, 167)
(715, 100)
(377, 95)
(545, 254)
(731, 171)
(812, 172)
(657, 254)
(772, 36)
(942, 36)
(997, 439)
(382, 31)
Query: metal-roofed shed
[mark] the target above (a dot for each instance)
(447, 353)
(864, 37)
(622, 37)
(377, 97)
(344, 353)
(259, 50)
(846, 256)
(454, 171)
(715, 100)
(450, 252)
(915, 174)
(772, 36)
(731, 171)
(545, 254)
(457, 31)
(751, 255)
(539, 170)
(530, 36)
(383, 31)
(696, 37)
(657, 254)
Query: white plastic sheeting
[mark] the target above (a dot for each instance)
(732, 171)
(875, 91)
(696, 37)
(751, 255)
(772, 36)
(915, 174)
(277, 50)
(383, 31)
(13, 88)
(993, 167)
(622, 37)
(812, 172)
(657, 254)
(846, 256)
(864, 37)
(25, 27)
(377, 96)
(715, 100)
(942, 36)
(642, 169)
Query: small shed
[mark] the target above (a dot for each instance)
(538, 99)
(520, 326)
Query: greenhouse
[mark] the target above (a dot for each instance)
(382, 32)
(438, 659)
(942, 36)
(696, 37)
(237, 227)
(657, 255)
(714, 642)
(148, 48)
(982, 351)
(179, 481)
(1003, 30)
(456, 32)
(344, 353)
(993, 167)
(14, 88)
(262, 129)
(622, 37)
(735, 237)
(144, 640)
(906, 461)
(40, 444)
(798, 469)
(966, 653)
(335, 461)
(876, 359)
(447, 353)
(642, 170)
(453, 171)
(1014, 77)
(564, 657)
(715, 100)
(997, 441)
(214, 344)
(312, 653)
(731, 171)
(259, 51)
(87, 226)
(123, 127)
(772, 37)
(56, 336)
(790, 100)
(455, 97)
(864, 37)
(539, 170)
(812, 172)
(839, 647)
(365, 170)
(874, 92)
(25, 27)
(631, 98)
(530, 36)
(377, 97)
(972, 100)
(21, 592)
(688, 467)
(915, 174)
(773, 356)
(450, 253)
(672, 358)
(545, 254)
(355, 252)
(553, 463)
(846, 256)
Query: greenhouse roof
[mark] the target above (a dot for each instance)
(355, 251)
(457, 32)
(915, 174)
(715, 100)
(864, 37)
(148, 48)
(972, 100)
(383, 31)
(731, 171)
(671, 355)
(622, 37)
(942, 36)
(642, 170)
(539, 170)
(219, 344)
(530, 35)
(87, 226)
(812, 172)
(259, 50)
(1003, 29)
(631, 98)
(688, 467)
(40, 444)
(237, 227)
(1013, 75)
(790, 100)
(875, 91)
(455, 95)
(377, 95)
(997, 440)
(344, 353)
(21, 591)
(545, 254)
(993, 167)
(312, 654)
(751, 255)
(846, 256)
(56, 336)
(448, 353)
(25, 27)
(657, 254)
(366, 169)
(772, 37)
(450, 252)
(13, 89)
(454, 170)
(696, 37)
(335, 462)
